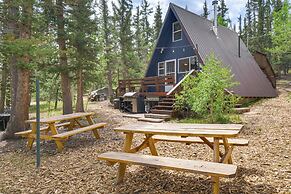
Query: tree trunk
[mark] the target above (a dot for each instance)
(10, 28)
(65, 79)
(80, 89)
(20, 111)
(56, 99)
(3, 88)
(109, 79)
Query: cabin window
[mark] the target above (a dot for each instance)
(177, 32)
(194, 63)
(161, 68)
(184, 65)
(170, 67)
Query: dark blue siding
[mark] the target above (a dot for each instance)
(171, 50)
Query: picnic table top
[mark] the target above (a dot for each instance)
(61, 117)
(177, 129)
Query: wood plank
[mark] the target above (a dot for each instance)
(227, 157)
(178, 130)
(77, 131)
(194, 166)
(151, 120)
(152, 146)
(242, 110)
(215, 159)
(157, 116)
(27, 132)
(189, 140)
(133, 116)
(187, 126)
(122, 166)
(62, 117)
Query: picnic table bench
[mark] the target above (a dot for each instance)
(213, 135)
(69, 121)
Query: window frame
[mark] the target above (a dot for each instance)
(197, 59)
(161, 68)
(175, 70)
(173, 31)
(189, 69)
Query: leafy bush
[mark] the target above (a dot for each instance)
(205, 94)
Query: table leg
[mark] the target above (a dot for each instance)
(215, 179)
(54, 131)
(72, 124)
(152, 146)
(209, 144)
(227, 150)
(91, 122)
(76, 120)
(30, 140)
(122, 167)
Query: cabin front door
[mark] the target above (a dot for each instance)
(170, 69)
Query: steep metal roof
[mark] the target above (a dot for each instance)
(253, 82)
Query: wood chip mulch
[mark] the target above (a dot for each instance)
(264, 166)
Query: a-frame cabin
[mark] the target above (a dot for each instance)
(184, 42)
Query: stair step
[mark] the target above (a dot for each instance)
(157, 116)
(151, 120)
(238, 105)
(242, 110)
(166, 103)
(167, 112)
(160, 107)
(133, 116)
(168, 100)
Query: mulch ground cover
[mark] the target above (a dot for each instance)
(263, 167)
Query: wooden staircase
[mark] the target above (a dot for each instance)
(165, 106)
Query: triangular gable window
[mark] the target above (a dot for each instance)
(177, 31)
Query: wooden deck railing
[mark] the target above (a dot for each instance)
(154, 86)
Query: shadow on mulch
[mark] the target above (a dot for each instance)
(49, 148)
(160, 181)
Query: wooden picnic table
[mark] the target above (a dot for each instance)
(203, 131)
(50, 131)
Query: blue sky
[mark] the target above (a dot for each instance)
(236, 7)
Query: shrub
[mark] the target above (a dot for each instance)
(205, 94)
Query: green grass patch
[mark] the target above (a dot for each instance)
(251, 102)
(231, 118)
(46, 108)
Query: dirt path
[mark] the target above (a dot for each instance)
(264, 166)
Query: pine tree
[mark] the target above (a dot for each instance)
(81, 28)
(122, 16)
(268, 23)
(244, 33)
(240, 25)
(138, 38)
(20, 63)
(158, 21)
(106, 28)
(205, 10)
(281, 38)
(277, 5)
(145, 12)
(147, 32)
(248, 24)
(63, 59)
(222, 9)
(260, 27)
(222, 13)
